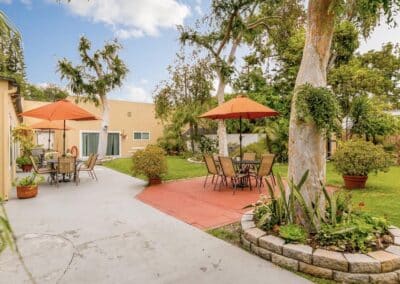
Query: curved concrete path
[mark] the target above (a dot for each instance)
(99, 233)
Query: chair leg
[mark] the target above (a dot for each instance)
(216, 182)
(205, 181)
(212, 181)
(259, 185)
(94, 173)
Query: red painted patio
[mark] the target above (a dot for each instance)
(203, 208)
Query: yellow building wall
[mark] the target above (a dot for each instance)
(8, 118)
(125, 118)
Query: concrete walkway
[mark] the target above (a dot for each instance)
(99, 233)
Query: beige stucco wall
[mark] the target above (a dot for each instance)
(125, 118)
(8, 118)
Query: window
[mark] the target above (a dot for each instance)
(141, 135)
(90, 143)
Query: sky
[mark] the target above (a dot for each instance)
(146, 29)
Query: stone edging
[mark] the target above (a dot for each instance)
(375, 267)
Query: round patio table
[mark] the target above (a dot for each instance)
(53, 164)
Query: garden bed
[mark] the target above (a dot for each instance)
(381, 266)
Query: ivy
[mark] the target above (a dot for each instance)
(318, 105)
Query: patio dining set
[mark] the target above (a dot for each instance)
(239, 171)
(65, 168)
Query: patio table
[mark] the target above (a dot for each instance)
(53, 164)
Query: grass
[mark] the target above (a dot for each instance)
(178, 168)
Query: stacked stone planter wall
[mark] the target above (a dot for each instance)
(375, 267)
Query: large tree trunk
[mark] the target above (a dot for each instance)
(103, 135)
(307, 147)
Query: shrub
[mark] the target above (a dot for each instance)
(359, 158)
(208, 145)
(259, 148)
(334, 224)
(359, 233)
(150, 162)
(293, 233)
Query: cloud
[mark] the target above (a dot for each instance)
(133, 93)
(5, 1)
(197, 8)
(132, 18)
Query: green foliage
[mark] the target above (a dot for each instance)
(345, 42)
(182, 98)
(30, 180)
(259, 148)
(358, 233)
(150, 162)
(6, 233)
(11, 52)
(359, 158)
(50, 93)
(207, 145)
(370, 121)
(319, 106)
(23, 160)
(293, 233)
(23, 135)
(98, 74)
(277, 137)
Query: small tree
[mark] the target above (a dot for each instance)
(186, 95)
(96, 76)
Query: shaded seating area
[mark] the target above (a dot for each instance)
(238, 173)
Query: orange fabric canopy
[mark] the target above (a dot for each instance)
(46, 124)
(60, 110)
(240, 107)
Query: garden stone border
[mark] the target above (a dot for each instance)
(381, 266)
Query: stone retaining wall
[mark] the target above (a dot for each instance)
(375, 267)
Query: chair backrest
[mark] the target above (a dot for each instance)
(66, 165)
(227, 166)
(89, 160)
(249, 156)
(267, 161)
(74, 151)
(210, 164)
(35, 167)
(93, 161)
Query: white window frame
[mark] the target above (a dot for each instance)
(141, 132)
(96, 131)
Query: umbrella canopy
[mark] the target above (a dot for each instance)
(240, 107)
(50, 125)
(60, 110)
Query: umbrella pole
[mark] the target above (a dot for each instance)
(49, 140)
(64, 139)
(240, 138)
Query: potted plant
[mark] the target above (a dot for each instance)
(24, 163)
(355, 159)
(27, 187)
(150, 162)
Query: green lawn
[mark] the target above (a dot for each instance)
(381, 197)
(178, 168)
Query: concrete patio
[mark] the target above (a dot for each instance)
(99, 232)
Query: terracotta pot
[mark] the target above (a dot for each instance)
(154, 181)
(24, 192)
(352, 182)
(26, 168)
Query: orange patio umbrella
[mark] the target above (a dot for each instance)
(60, 110)
(238, 108)
(50, 125)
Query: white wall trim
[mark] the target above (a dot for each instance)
(96, 131)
